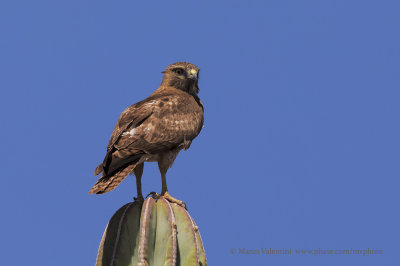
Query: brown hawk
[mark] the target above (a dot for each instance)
(154, 130)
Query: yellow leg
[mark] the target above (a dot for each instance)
(163, 166)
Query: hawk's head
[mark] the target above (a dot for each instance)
(183, 76)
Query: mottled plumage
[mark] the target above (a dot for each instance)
(154, 129)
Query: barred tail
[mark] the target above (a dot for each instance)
(108, 183)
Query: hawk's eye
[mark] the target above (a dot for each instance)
(178, 71)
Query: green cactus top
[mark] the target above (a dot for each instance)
(152, 233)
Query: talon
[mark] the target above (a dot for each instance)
(154, 195)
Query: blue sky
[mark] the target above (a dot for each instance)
(300, 148)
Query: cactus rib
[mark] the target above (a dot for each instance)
(152, 233)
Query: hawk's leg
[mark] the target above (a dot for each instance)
(164, 190)
(138, 171)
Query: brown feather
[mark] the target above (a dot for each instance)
(104, 184)
(98, 169)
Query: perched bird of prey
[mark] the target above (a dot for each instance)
(154, 130)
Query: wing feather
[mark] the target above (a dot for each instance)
(156, 124)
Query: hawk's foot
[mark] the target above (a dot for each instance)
(168, 197)
(154, 195)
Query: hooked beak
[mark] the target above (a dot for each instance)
(193, 74)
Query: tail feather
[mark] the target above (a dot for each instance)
(108, 183)
(98, 169)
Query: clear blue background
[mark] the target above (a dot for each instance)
(300, 147)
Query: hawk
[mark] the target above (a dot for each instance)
(154, 130)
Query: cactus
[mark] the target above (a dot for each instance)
(151, 233)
